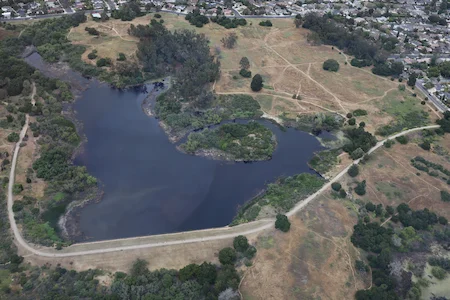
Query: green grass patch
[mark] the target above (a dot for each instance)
(390, 190)
(406, 110)
(59, 196)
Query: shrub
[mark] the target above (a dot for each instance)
(445, 196)
(358, 153)
(103, 62)
(17, 206)
(442, 220)
(240, 243)
(360, 112)
(92, 55)
(402, 139)
(342, 193)
(353, 171)
(352, 121)
(362, 124)
(282, 223)
(439, 273)
(331, 65)
(17, 188)
(257, 83)
(245, 73)
(227, 256)
(425, 145)
(92, 31)
(121, 57)
(336, 186)
(389, 143)
(250, 252)
(157, 16)
(266, 23)
(360, 188)
(13, 137)
(349, 115)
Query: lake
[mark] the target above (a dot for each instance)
(152, 188)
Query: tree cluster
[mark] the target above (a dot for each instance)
(361, 141)
(196, 18)
(183, 53)
(228, 22)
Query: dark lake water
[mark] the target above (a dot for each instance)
(152, 188)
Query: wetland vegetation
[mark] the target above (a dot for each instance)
(247, 142)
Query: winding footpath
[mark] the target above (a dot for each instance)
(161, 240)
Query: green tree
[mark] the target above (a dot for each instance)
(257, 83)
(282, 223)
(331, 65)
(227, 256)
(245, 63)
(353, 171)
(240, 243)
(412, 79)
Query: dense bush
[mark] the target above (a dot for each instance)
(331, 65)
(13, 137)
(445, 196)
(121, 57)
(245, 73)
(282, 223)
(371, 237)
(92, 31)
(359, 112)
(104, 62)
(402, 139)
(266, 23)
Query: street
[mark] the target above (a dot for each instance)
(439, 105)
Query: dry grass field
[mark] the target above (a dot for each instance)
(288, 63)
(314, 260)
(391, 179)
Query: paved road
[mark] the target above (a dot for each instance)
(439, 105)
(20, 242)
